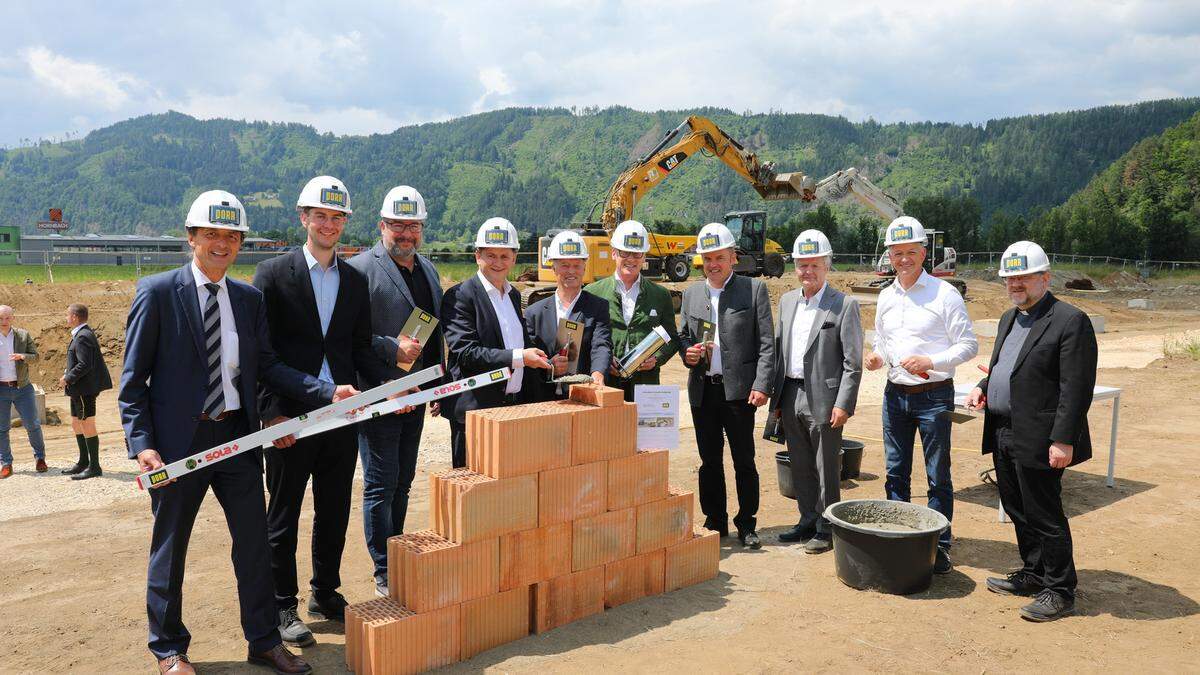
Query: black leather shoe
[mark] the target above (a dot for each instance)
(279, 659)
(797, 534)
(819, 544)
(941, 565)
(1048, 606)
(750, 539)
(1016, 583)
(331, 607)
(722, 529)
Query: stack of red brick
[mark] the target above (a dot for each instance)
(558, 517)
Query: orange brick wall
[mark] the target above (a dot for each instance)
(602, 539)
(519, 439)
(604, 433)
(387, 638)
(664, 522)
(692, 561)
(632, 578)
(426, 571)
(534, 555)
(567, 598)
(494, 619)
(638, 479)
(472, 506)
(572, 492)
(593, 394)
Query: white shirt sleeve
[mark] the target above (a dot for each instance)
(518, 360)
(963, 344)
(877, 339)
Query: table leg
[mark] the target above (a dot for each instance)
(1112, 441)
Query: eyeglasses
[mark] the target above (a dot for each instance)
(401, 226)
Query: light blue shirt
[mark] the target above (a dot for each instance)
(325, 283)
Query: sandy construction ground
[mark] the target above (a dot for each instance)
(74, 554)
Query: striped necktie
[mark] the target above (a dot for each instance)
(214, 402)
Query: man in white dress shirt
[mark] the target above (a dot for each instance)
(485, 330)
(922, 332)
(819, 343)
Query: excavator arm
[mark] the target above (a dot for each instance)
(698, 134)
(851, 182)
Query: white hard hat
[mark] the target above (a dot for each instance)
(1023, 257)
(713, 237)
(811, 244)
(631, 236)
(567, 245)
(325, 192)
(217, 209)
(403, 203)
(496, 233)
(905, 230)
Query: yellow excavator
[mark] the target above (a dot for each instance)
(670, 255)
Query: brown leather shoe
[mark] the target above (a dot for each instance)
(281, 660)
(5, 471)
(41, 466)
(176, 664)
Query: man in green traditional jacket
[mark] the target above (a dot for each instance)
(636, 306)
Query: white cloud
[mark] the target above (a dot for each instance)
(109, 88)
(496, 85)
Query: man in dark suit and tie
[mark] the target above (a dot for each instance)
(486, 330)
(86, 376)
(319, 319)
(731, 376)
(568, 255)
(196, 345)
(400, 281)
(817, 372)
(1036, 396)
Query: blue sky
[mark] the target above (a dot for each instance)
(369, 67)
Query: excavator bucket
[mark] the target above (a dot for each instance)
(793, 185)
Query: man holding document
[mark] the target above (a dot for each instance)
(406, 297)
(572, 325)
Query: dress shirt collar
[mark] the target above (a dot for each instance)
(923, 279)
(723, 283)
(201, 279)
(313, 262)
(816, 298)
(487, 285)
(76, 328)
(637, 283)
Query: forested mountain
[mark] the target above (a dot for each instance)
(545, 167)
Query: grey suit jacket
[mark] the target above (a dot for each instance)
(747, 340)
(392, 302)
(833, 356)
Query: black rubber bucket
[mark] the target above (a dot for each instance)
(884, 545)
(852, 452)
(783, 466)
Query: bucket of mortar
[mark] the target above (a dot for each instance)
(850, 457)
(884, 545)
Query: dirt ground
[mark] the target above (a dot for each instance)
(74, 554)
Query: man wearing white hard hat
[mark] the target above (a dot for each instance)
(729, 345)
(817, 373)
(196, 348)
(636, 306)
(922, 332)
(568, 254)
(400, 282)
(1036, 397)
(304, 291)
(485, 330)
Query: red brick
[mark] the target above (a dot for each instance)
(383, 637)
(427, 571)
(693, 561)
(470, 506)
(572, 492)
(568, 598)
(602, 539)
(597, 395)
(638, 479)
(493, 620)
(632, 578)
(520, 439)
(534, 555)
(603, 433)
(664, 522)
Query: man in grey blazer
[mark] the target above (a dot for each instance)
(816, 384)
(730, 349)
(400, 281)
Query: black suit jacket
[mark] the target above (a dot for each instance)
(474, 344)
(86, 373)
(295, 328)
(595, 353)
(1051, 385)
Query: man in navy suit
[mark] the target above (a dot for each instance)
(568, 255)
(486, 331)
(196, 345)
(400, 281)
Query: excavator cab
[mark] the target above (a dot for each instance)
(756, 254)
